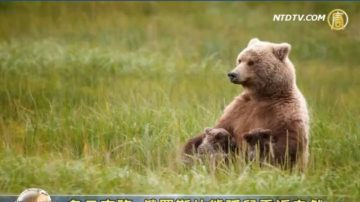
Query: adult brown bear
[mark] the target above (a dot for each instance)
(270, 101)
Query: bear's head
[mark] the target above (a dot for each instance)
(216, 140)
(264, 68)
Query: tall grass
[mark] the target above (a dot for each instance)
(99, 97)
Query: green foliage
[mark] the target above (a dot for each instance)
(99, 97)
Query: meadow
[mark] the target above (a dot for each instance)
(98, 98)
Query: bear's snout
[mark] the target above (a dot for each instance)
(233, 76)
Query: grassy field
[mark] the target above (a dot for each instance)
(99, 97)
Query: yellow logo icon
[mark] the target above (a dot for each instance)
(337, 19)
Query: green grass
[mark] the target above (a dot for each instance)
(99, 97)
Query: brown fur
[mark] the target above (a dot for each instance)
(217, 140)
(270, 101)
(260, 145)
(217, 143)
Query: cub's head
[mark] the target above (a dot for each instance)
(264, 66)
(259, 140)
(216, 140)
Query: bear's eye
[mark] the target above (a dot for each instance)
(250, 62)
(239, 61)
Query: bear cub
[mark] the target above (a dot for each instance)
(259, 143)
(218, 145)
(217, 141)
(215, 145)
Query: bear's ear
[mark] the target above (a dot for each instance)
(281, 51)
(207, 130)
(252, 41)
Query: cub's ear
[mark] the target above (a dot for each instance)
(281, 51)
(252, 41)
(207, 130)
